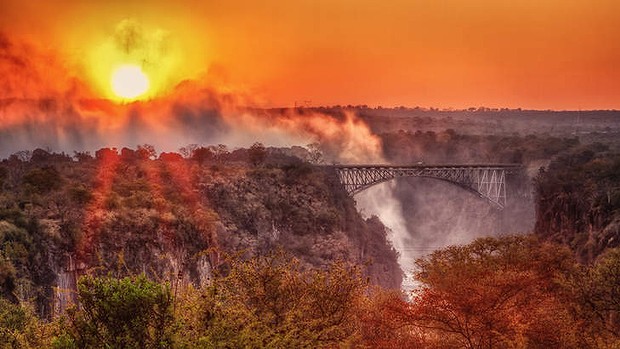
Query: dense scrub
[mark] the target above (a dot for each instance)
(305, 210)
(124, 213)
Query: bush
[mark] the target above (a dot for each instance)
(43, 180)
(19, 328)
(132, 312)
(272, 302)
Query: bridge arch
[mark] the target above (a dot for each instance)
(488, 181)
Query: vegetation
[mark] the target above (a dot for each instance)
(496, 293)
(123, 213)
(578, 201)
(119, 313)
(509, 292)
(127, 249)
(450, 147)
(272, 302)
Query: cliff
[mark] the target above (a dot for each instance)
(172, 218)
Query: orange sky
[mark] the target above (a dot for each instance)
(545, 54)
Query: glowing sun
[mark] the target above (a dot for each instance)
(129, 81)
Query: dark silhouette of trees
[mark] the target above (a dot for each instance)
(578, 201)
(106, 154)
(202, 155)
(128, 154)
(257, 154)
(42, 180)
(82, 156)
(146, 152)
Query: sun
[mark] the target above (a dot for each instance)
(129, 81)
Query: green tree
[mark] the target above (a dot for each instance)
(19, 328)
(132, 312)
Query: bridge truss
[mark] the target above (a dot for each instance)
(487, 181)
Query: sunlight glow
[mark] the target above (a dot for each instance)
(129, 81)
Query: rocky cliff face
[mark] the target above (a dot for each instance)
(173, 219)
(305, 210)
(578, 201)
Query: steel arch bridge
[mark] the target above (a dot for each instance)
(486, 180)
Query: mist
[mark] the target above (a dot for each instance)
(44, 104)
(424, 215)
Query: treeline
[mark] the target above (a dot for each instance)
(510, 292)
(448, 146)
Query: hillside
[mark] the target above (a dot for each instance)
(578, 201)
(173, 218)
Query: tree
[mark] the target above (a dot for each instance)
(257, 154)
(220, 151)
(578, 200)
(132, 312)
(146, 152)
(496, 293)
(202, 154)
(315, 155)
(128, 154)
(596, 291)
(188, 151)
(170, 157)
(19, 328)
(21, 156)
(8, 279)
(40, 155)
(386, 322)
(82, 156)
(272, 302)
(80, 194)
(43, 180)
(106, 154)
(4, 174)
